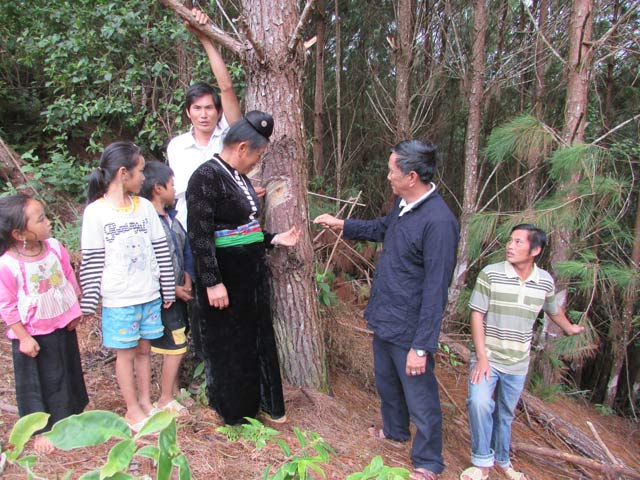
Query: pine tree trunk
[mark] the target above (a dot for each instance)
(620, 330)
(338, 71)
(275, 86)
(404, 60)
(531, 184)
(578, 74)
(318, 101)
(472, 145)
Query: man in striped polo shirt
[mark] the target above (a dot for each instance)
(505, 304)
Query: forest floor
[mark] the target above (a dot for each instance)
(341, 418)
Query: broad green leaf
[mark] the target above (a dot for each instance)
(167, 440)
(284, 446)
(149, 451)
(67, 475)
(376, 464)
(94, 475)
(88, 429)
(23, 430)
(300, 436)
(27, 462)
(184, 470)
(164, 466)
(119, 458)
(156, 423)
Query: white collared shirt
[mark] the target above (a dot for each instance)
(407, 207)
(185, 156)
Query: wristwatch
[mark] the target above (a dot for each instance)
(420, 353)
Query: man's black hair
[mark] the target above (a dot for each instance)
(201, 89)
(537, 237)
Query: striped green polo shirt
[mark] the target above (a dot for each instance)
(511, 307)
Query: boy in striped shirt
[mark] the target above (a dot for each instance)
(505, 304)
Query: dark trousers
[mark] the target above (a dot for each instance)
(405, 398)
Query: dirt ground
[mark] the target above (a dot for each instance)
(341, 418)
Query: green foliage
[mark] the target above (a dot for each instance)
(521, 138)
(200, 378)
(325, 296)
(379, 471)
(78, 75)
(537, 386)
(604, 410)
(450, 355)
(577, 159)
(96, 427)
(68, 232)
(312, 451)
(482, 228)
(22, 432)
(254, 431)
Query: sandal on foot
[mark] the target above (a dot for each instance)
(511, 473)
(473, 473)
(174, 407)
(136, 427)
(268, 417)
(423, 474)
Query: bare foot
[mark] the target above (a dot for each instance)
(43, 445)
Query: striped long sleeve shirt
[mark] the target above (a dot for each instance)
(125, 256)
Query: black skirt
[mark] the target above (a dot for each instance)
(53, 381)
(238, 342)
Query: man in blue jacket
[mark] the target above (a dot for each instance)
(408, 298)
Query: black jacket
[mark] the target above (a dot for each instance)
(412, 277)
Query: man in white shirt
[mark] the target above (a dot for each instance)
(210, 117)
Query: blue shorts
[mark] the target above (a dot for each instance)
(122, 327)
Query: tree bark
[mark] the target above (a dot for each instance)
(578, 74)
(274, 64)
(404, 60)
(338, 72)
(318, 101)
(275, 86)
(620, 330)
(531, 185)
(472, 145)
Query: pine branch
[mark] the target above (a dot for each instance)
(297, 33)
(216, 35)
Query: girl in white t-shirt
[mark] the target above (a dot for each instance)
(126, 261)
(39, 304)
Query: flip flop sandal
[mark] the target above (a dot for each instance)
(511, 473)
(473, 473)
(136, 427)
(174, 407)
(423, 474)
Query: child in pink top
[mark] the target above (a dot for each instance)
(39, 304)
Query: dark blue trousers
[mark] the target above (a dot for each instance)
(405, 398)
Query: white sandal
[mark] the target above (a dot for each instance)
(473, 473)
(511, 473)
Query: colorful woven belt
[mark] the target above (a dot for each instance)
(242, 235)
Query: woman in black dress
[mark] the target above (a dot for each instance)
(232, 289)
